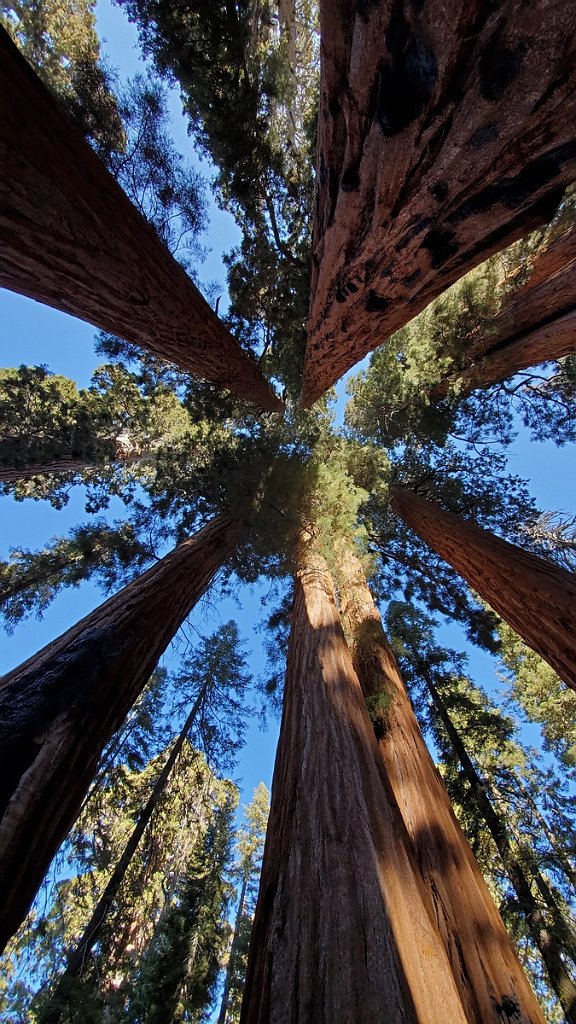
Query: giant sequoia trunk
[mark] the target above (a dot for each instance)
(485, 967)
(445, 132)
(535, 597)
(70, 237)
(536, 324)
(545, 938)
(341, 931)
(59, 709)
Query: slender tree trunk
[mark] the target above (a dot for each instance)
(71, 238)
(233, 947)
(544, 939)
(59, 709)
(63, 467)
(535, 597)
(484, 964)
(78, 957)
(536, 324)
(423, 169)
(562, 860)
(341, 931)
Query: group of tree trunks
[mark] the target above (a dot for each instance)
(445, 132)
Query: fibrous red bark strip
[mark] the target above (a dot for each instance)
(59, 709)
(341, 931)
(484, 964)
(445, 132)
(70, 238)
(535, 597)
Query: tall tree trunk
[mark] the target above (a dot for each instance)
(535, 597)
(233, 948)
(71, 238)
(544, 939)
(536, 324)
(78, 957)
(485, 967)
(341, 931)
(445, 132)
(59, 709)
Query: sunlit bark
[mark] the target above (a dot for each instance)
(484, 964)
(341, 931)
(70, 238)
(535, 597)
(445, 132)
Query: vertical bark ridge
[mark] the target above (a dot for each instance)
(445, 133)
(535, 597)
(59, 709)
(341, 930)
(70, 237)
(486, 970)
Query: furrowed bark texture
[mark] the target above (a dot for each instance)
(59, 709)
(70, 238)
(535, 597)
(545, 938)
(341, 930)
(537, 324)
(492, 985)
(445, 132)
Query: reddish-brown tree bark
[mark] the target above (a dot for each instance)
(445, 132)
(536, 324)
(485, 967)
(535, 597)
(59, 709)
(341, 930)
(70, 237)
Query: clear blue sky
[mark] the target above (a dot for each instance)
(31, 333)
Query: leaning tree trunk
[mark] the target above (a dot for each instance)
(544, 937)
(536, 324)
(485, 967)
(535, 597)
(71, 238)
(445, 132)
(59, 709)
(79, 957)
(341, 931)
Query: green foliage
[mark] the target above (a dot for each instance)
(53, 435)
(400, 397)
(109, 555)
(541, 695)
(180, 967)
(249, 87)
(55, 35)
(249, 848)
(215, 671)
